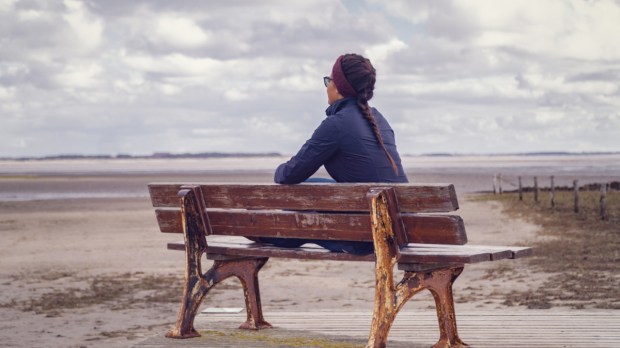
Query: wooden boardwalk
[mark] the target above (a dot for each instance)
(524, 328)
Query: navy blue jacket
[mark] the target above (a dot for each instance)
(346, 145)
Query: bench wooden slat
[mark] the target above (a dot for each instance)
(516, 252)
(217, 251)
(497, 252)
(411, 254)
(494, 254)
(420, 228)
(421, 198)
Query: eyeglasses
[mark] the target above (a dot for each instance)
(327, 80)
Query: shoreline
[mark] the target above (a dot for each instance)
(594, 164)
(28, 187)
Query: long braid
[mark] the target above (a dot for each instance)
(362, 75)
(367, 112)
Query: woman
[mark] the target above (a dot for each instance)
(354, 142)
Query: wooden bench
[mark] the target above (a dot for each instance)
(404, 222)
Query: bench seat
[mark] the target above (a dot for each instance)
(412, 253)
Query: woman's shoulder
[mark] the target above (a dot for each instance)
(376, 112)
(381, 120)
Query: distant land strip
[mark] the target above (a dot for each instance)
(154, 155)
(277, 154)
(535, 153)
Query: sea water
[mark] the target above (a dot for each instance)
(127, 177)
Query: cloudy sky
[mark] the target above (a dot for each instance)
(137, 77)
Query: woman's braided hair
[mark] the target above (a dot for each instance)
(361, 75)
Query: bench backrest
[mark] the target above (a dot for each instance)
(316, 211)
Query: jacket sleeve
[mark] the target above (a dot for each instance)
(312, 155)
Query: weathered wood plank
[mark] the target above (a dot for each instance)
(494, 253)
(420, 228)
(499, 251)
(420, 198)
(516, 252)
(456, 255)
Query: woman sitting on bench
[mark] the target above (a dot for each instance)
(354, 142)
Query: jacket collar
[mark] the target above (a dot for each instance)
(339, 105)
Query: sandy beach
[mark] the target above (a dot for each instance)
(95, 272)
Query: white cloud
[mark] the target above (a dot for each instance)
(560, 85)
(549, 117)
(499, 87)
(556, 28)
(179, 32)
(81, 75)
(7, 5)
(174, 64)
(30, 15)
(234, 94)
(378, 53)
(169, 89)
(7, 93)
(87, 29)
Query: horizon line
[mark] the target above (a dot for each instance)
(170, 155)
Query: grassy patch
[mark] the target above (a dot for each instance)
(242, 337)
(582, 250)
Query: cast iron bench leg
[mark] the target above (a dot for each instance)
(440, 285)
(249, 279)
(198, 285)
(390, 298)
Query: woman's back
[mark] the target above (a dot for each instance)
(359, 158)
(354, 142)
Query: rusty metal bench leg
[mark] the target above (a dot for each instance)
(195, 289)
(251, 291)
(388, 302)
(384, 310)
(197, 285)
(441, 288)
(388, 298)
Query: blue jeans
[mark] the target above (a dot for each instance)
(351, 247)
